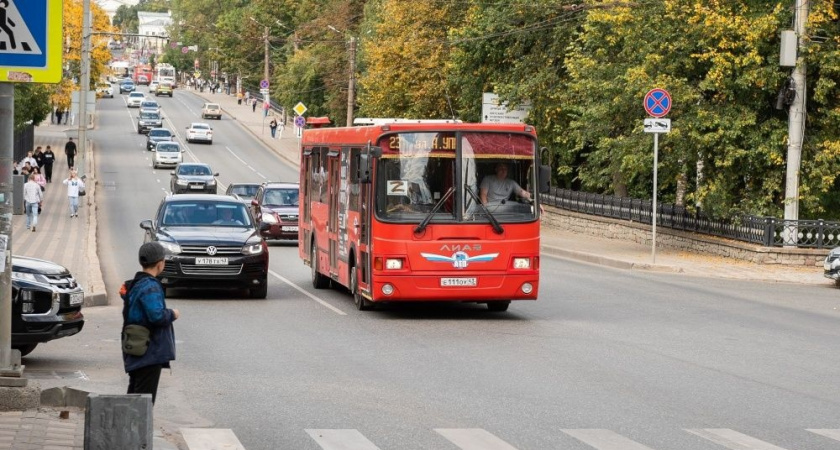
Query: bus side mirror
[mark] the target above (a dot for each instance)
(363, 174)
(545, 179)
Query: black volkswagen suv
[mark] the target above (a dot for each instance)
(212, 242)
(46, 303)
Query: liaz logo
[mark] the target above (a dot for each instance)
(459, 260)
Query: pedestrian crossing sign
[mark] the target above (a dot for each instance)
(31, 40)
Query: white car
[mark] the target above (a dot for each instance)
(167, 153)
(135, 99)
(199, 131)
(149, 105)
(153, 87)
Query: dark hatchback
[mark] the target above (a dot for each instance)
(275, 209)
(46, 303)
(213, 243)
(156, 135)
(193, 177)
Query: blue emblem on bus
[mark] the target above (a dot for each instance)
(459, 260)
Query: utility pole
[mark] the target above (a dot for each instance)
(351, 84)
(265, 38)
(84, 76)
(796, 120)
(7, 142)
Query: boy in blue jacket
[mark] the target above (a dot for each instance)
(144, 303)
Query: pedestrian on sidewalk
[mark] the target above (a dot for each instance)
(273, 127)
(58, 114)
(74, 185)
(30, 159)
(49, 159)
(26, 169)
(39, 156)
(39, 178)
(32, 198)
(70, 151)
(254, 105)
(144, 303)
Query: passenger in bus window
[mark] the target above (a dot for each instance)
(497, 188)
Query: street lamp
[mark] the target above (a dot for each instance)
(265, 40)
(351, 83)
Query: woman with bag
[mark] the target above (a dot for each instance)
(273, 127)
(75, 188)
(39, 178)
(148, 339)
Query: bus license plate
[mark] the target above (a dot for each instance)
(289, 228)
(77, 298)
(211, 261)
(459, 282)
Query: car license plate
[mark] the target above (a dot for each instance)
(459, 282)
(196, 186)
(77, 298)
(289, 228)
(211, 261)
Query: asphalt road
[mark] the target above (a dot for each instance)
(658, 359)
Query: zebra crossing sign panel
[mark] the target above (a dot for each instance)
(31, 40)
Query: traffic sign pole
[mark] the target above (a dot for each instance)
(657, 103)
(655, 206)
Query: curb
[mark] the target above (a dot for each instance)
(96, 295)
(604, 261)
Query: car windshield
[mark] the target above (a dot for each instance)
(149, 115)
(159, 133)
(281, 197)
(245, 190)
(194, 170)
(150, 104)
(164, 148)
(200, 126)
(204, 213)
(212, 106)
(137, 95)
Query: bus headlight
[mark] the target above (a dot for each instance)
(393, 264)
(521, 263)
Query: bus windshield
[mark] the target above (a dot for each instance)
(416, 171)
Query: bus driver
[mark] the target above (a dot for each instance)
(498, 187)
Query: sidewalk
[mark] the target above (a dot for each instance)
(560, 243)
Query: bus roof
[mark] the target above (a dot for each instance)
(365, 134)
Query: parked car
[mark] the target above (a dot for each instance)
(243, 191)
(148, 119)
(193, 177)
(156, 135)
(275, 208)
(46, 303)
(149, 105)
(213, 244)
(165, 88)
(127, 86)
(211, 110)
(135, 99)
(167, 153)
(198, 131)
(104, 90)
(831, 266)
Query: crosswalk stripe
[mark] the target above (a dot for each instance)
(211, 439)
(473, 439)
(341, 440)
(732, 439)
(604, 439)
(831, 434)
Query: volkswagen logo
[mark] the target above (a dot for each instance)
(211, 250)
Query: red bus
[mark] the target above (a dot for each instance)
(394, 212)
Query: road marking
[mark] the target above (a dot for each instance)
(732, 439)
(245, 163)
(831, 434)
(474, 439)
(341, 440)
(211, 439)
(302, 291)
(604, 439)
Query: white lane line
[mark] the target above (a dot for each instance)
(474, 439)
(211, 439)
(732, 439)
(604, 439)
(341, 440)
(263, 176)
(301, 290)
(829, 433)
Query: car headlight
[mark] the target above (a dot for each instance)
(171, 247)
(182, 182)
(30, 277)
(212, 182)
(268, 218)
(252, 248)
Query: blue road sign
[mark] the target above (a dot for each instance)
(31, 40)
(300, 122)
(264, 84)
(657, 102)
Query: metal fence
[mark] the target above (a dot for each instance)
(24, 141)
(765, 231)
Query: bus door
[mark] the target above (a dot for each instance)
(359, 201)
(306, 199)
(334, 171)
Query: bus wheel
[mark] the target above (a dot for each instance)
(319, 281)
(362, 304)
(498, 306)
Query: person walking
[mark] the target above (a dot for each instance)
(30, 159)
(39, 156)
(49, 159)
(32, 198)
(273, 127)
(74, 185)
(58, 114)
(39, 178)
(70, 151)
(254, 105)
(144, 304)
